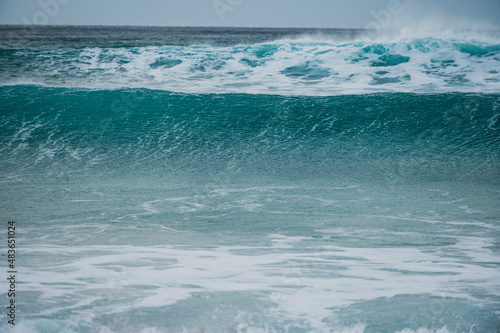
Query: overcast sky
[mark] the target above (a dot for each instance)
(250, 13)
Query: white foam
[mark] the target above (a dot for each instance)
(444, 329)
(301, 284)
(286, 67)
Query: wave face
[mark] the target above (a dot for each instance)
(397, 134)
(251, 180)
(316, 65)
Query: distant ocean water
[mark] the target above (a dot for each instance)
(251, 180)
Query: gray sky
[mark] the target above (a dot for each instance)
(252, 13)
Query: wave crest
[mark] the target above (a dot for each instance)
(284, 67)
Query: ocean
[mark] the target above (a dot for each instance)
(250, 180)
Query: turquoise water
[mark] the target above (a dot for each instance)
(285, 183)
